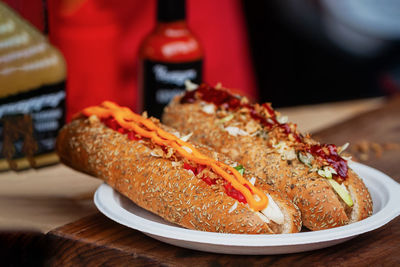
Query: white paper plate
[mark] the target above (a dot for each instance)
(384, 191)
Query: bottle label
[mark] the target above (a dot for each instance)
(162, 81)
(29, 123)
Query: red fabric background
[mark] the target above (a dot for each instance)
(32, 10)
(100, 40)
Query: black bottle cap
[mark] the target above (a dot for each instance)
(171, 10)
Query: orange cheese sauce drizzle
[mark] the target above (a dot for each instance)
(146, 128)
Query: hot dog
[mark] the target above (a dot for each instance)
(186, 184)
(315, 176)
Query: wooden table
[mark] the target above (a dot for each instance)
(95, 240)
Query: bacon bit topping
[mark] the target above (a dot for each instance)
(122, 117)
(226, 100)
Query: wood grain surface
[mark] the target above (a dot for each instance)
(22, 248)
(96, 240)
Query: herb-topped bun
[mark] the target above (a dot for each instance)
(315, 176)
(192, 186)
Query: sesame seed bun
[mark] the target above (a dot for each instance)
(320, 205)
(162, 187)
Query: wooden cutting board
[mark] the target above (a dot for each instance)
(96, 240)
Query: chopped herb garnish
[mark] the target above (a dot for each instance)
(240, 169)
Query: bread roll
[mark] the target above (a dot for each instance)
(261, 140)
(155, 178)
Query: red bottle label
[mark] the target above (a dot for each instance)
(162, 81)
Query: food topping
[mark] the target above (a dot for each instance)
(240, 169)
(123, 120)
(232, 192)
(342, 148)
(306, 158)
(235, 131)
(252, 180)
(326, 172)
(341, 190)
(209, 109)
(282, 119)
(190, 86)
(286, 152)
(330, 155)
(186, 137)
(273, 212)
(226, 119)
(274, 125)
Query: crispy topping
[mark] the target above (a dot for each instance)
(146, 128)
(235, 131)
(272, 121)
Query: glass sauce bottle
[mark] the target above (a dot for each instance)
(168, 56)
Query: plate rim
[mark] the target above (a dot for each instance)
(106, 203)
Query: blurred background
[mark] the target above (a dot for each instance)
(312, 51)
(288, 52)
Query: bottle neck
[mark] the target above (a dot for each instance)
(171, 11)
(167, 28)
